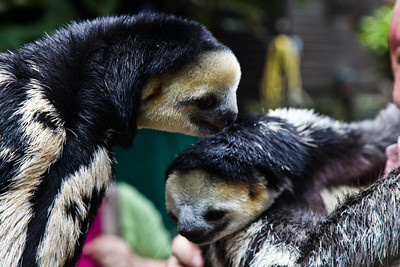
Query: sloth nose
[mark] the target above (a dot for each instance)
(227, 119)
(191, 234)
(230, 119)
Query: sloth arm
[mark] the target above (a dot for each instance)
(363, 231)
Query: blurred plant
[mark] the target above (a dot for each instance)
(22, 21)
(254, 16)
(373, 29)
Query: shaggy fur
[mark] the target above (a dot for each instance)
(294, 153)
(363, 231)
(68, 98)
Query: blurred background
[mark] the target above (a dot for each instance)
(330, 55)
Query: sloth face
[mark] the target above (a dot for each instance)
(199, 100)
(207, 208)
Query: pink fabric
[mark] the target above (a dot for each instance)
(94, 231)
(393, 159)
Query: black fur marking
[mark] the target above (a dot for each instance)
(262, 145)
(45, 194)
(234, 154)
(92, 205)
(45, 119)
(92, 74)
(11, 136)
(11, 97)
(6, 170)
(249, 149)
(204, 103)
(71, 209)
(103, 64)
(363, 231)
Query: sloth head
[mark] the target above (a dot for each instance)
(222, 183)
(145, 71)
(207, 208)
(188, 79)
(198, 100)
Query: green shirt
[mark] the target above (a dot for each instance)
(141, 224)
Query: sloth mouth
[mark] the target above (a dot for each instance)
(207, 128)
(214, 123)
(204, 238)
(201, 239)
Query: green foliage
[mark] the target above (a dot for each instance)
(14, 36)
(22, 21)
(373, 30)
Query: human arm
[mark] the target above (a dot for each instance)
(185, 253)
(111, 250)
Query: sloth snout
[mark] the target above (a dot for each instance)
(226, 119)
(192, 234)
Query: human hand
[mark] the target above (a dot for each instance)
(393, 157)
(110, 250)
(394, 50)
(185, 254)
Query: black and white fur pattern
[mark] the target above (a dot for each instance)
(362, 231)
(68, 98)
(251, 195)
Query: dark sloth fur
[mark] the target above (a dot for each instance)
(75, 61)
(362, 231)
(91, 74)
(300, 153)
(311, 153)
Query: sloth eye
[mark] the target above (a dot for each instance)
(207, 102)
(214, 215)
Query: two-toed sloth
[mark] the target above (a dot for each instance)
(251, 194)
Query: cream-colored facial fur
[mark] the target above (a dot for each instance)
(208, 208)
(169, 101)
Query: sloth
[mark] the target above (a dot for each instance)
(71, 96)
(250, 196)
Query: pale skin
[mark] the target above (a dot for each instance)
(394, 46)
(111, 251)
(185, 254)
